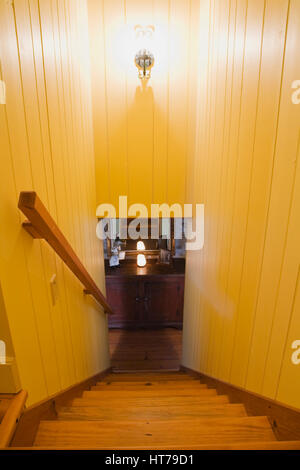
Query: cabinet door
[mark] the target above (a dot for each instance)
(163, 301)
(123, 296)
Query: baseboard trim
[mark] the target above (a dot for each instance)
(46, 409)
(285, 420)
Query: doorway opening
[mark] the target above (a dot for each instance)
(147, 297)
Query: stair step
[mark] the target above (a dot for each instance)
(176, 371)
(94, 434)
(124, 338)
(158, 377)
(148, 392)
(91, 413)
(148, 385)
(249, 445)
(145, 353)
(145, 346)
(148, 401)
(146, 364)
(117, 346)
(173, 370)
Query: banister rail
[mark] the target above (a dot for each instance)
(10, 419)
(41, 225)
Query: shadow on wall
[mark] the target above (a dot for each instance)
(146, 154)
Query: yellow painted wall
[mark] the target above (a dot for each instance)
(46, 145)
(5, 331)
(242, 305)
(232, 142)
(142, 134)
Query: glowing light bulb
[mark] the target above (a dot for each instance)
(140, 246)
(141, 260)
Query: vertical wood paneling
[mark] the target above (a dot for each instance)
(57, 128)
(232, 93)
(227, 306)
(35, 148)
(14, 270)
(114, 27)
(232, 143)
(265, 173)
(146, 149)
(246, 283)
(282, 241)
(180, 16)
(160, 85)
(247, 127)
(194, 72)
(56, 265)
(206, 301)
(200, 162)
(99, 90)
(139, 113)
(261, 175)
(193, 322)
(218, 183)
(47, 144)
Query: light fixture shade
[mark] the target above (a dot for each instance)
(141, 260)
(140, 246)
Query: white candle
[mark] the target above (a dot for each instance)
(140, 246)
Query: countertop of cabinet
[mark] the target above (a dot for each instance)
(130, 269)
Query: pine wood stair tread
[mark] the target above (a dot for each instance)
(147, 377)
(148, 392)
(148, 385)
(149, 401)
(146, 364)
(144, 433)
(96, 413)
(150, 355)
(158, 370)
(248, 445)
(156, 410)
(136, 373)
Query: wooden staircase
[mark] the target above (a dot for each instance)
(156, 410)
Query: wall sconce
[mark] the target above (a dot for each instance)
(144, 59)
(141, 261)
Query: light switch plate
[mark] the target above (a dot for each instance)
(2, 92)
(53, 288)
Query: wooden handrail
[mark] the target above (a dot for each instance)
(10, 420)
(41, 225)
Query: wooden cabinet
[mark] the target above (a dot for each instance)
(146, 301)
(163, 301)
(123, 294)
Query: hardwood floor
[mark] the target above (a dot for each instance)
(145, 349)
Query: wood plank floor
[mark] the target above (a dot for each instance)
(145, 349)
